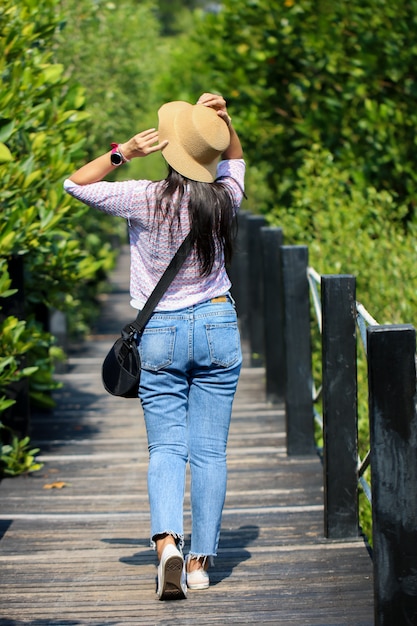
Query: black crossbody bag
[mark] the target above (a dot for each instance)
(121, 367)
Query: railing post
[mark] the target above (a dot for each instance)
(255, 293)
(238, 273)
(340, 430)
(59, 329)
(272, 240)
(299, 380)
(393, 427)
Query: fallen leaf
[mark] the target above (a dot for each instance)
(56, 485)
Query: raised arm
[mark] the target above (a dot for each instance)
(218, 103)
(140, 145)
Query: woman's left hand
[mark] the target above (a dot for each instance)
(142, 144)
(216, 102)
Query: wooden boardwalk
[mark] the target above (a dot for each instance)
(74, 546)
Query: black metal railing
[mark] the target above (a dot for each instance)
(272, 292)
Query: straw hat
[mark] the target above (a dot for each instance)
(197, 137)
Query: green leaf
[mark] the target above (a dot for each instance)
(8, 293)
(28, 371)
(52, 73)
(6, 129)
(5, 154)
(5, 403)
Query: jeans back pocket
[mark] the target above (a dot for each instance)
(156, 347)
(224, 343)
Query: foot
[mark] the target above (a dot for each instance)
(171, 575)
(197, 576)
(162, 541)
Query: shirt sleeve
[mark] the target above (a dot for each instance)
(231, 172)
(122, 198)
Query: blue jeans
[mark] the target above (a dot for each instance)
(191, 360)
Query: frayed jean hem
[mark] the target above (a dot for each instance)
(205, 557)
(179, 539)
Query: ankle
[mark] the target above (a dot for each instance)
(194, 564)
(161, 542)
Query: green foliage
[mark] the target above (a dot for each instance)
(27, 352)
(335, 73)
(171, 14)
(65, 252)
(350, 229)
(110, 49)
(17, 457)
(353, 231)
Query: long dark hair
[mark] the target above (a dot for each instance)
(211, 215)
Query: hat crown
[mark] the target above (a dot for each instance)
(197, 136)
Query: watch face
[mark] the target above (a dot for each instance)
(116, 158)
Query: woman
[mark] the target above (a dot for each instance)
(190, 350)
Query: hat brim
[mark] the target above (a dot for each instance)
(173, 117)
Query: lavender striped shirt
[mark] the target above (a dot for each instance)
(151, 249)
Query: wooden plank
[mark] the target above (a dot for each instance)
(80, 555)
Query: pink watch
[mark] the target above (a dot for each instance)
(116, 156)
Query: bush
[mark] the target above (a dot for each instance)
(41, 136)
(345, 227)
(352, 228)
(16, 457)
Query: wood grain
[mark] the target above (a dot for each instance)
(80, 554)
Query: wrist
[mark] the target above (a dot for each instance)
(126, 151)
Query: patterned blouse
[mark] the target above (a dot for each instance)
(152, 248)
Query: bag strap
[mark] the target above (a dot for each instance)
(161, 287)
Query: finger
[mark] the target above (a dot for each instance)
(145, 139)
(210, 99)
(152, 139)
(204, 97)
(216, 102)
(160, 146)
(224, 115)
(147, 134)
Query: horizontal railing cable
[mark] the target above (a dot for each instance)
(314, 280)
(363, 320)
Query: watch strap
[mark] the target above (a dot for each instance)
(116, 150)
